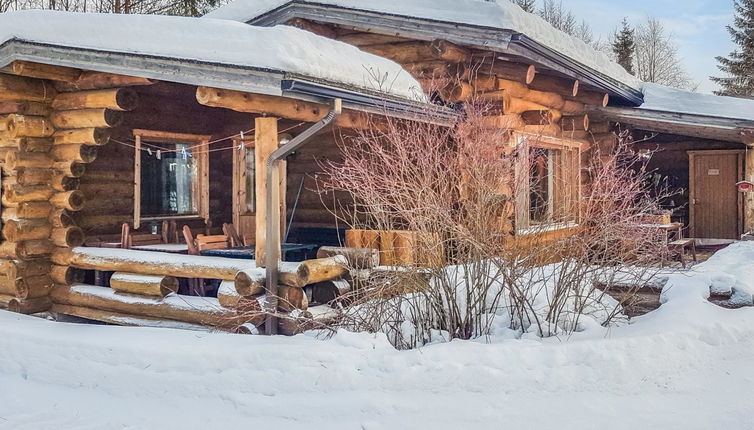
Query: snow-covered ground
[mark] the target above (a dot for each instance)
(687, 365)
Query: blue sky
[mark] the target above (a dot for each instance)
(697, 25)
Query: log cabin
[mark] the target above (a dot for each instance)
(700, 142)
(188, 120)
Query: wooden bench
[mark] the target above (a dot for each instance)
(681, 245)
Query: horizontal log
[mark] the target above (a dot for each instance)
(227, 295)
(112, 190)
(505, 122)
(33, 176)
(74, 152)
(26, 250)
(72, 169)
(42, 71)
(573, 108)
(25, 108)
(119, 99)
(543, 130)
(66, 275)
(537, 117)
(148, 285)
(15, 269)
(86, 118)
(115, 206)
(410, 52)
(364, 39)
(30, 306)
(19, 88)
(575, 123)
(27, 144)
(27, 287)
(328, 292)
(99, 80)
(27, 210)
(70, 236)
(438, 69)
(59, 218)
(26, 229)
(16, 194)
(457, 92)
(322, 269)
(60, 182)
(71, 200)
(29, 126)
(85, 136)
(313, 27)
(249, 282)
(513, 105)
(555, 84)
(512, 71)
(275, 106)
(290, 298)
(592, 98)
(19, 159)
(358, 258)
(151, 263)
(196, 310)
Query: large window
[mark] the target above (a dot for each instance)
(171, 176)
(548, 180)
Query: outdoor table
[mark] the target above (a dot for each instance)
(290, 251)
(669, 228)
(173, 248)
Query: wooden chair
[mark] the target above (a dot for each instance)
(680, 245)
(235, 238)
(129, 238)
(195, 247)
(204, 242)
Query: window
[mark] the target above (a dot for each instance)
(549, 177)
(172, 177)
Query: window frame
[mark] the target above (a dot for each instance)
(202, 163)
(523, 142)
(240, 178)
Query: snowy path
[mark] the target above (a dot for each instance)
(687, 365)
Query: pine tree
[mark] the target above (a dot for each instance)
(624, 46)
(739, 65)
(526, 5)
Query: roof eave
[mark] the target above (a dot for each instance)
(192, 72)
(480, 37)
(709, 127)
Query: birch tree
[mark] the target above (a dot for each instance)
(656, 57)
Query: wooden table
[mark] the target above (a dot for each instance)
(290, 251)
(673, 227)
(173, 248)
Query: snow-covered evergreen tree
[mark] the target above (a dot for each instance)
(739, 65)
(624, 46)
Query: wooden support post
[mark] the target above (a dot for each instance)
(266, 142)
(749, 197)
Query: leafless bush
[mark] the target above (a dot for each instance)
(458, 191)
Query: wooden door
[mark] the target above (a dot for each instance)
(715, 203)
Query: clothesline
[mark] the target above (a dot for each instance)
(188, 152)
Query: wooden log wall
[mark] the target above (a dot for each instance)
(54, 119)
(520, 96)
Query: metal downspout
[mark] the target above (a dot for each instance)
(272, 251)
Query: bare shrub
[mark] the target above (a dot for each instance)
(461, 189)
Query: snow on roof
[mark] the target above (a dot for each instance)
(498, 14)
(662, 98)
(281, 48)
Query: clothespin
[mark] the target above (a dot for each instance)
(240, 142)
(149, 151)
(159, 154)
(183, 153)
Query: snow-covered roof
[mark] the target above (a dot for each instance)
(499, 14)
(666, 99)
(215, 41)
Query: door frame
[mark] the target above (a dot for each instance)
(692, 192)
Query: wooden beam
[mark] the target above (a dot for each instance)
(313, 27)
(266, 142)
(525, 73)
(410, 52)
(366, 39)
(554, 84)
(19, 88)
(748, 198)
(280, 107)
(119, 99)
(42, 71)
(99, 80)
